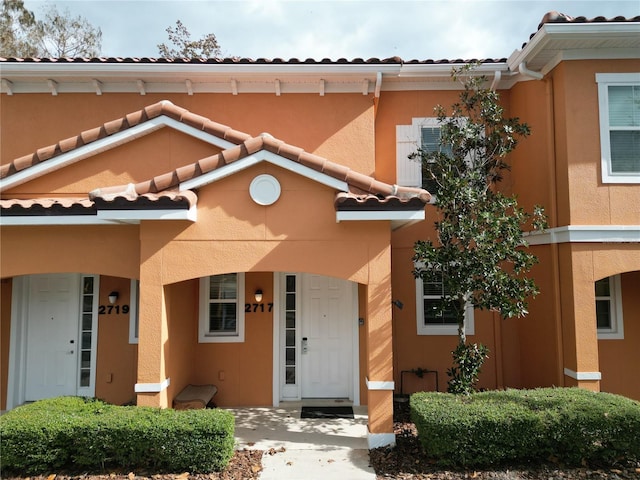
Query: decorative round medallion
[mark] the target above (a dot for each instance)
(265, 190)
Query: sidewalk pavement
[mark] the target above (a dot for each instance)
(305, 449)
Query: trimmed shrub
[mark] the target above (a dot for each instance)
(71, 433)
(570, 425)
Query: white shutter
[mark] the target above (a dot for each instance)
(408, 171)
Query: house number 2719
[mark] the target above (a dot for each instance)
(111, 309)
(257, 307)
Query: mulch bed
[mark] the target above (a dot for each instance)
(407, 461)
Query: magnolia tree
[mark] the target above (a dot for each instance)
(480, 256)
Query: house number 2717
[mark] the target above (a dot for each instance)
(257, 307)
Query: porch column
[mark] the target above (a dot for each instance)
(380, 384)
(579, 329)
(153, 337)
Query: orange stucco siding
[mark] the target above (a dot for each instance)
(333, 126)
(577, 122)
(619, 359)
(558, 167)
(117, 359)
(153, 154)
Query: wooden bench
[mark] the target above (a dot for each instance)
(194, 397)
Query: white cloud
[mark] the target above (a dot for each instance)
(425, 29)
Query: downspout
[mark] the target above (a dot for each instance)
(522, 68)
(496, 80)
(376, 94)
(555, 247)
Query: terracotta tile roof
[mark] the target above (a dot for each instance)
(121, 124)
(162, 191)
(47, 206)
(358, 183)
(557, 17)
(86, 206)
(250, 61)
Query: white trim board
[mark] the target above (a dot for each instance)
(264, 156)
(377, 440)
(152, 387)
(379, 384)
(582, 375)
(585, 234)
(103, 217)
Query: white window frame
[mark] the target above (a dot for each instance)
(134, 318)
(408, 140)
(604, 81)
(448, 329)
(616, 330)
(204, 335)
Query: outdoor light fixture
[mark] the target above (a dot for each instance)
(113, 297)
(258, 295)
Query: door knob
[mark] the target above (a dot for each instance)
(70, 352)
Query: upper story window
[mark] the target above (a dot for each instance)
(619, 108)
(221, 312)
(425, 133)
(609, 308)
(432, 318)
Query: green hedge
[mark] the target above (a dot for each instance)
(569, 425)
(73, 433)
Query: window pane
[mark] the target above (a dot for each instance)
(86, 341)
(290, 376)
(223, 287)
(432, 288)
(603, 313)
(86, 321)
(602, 288)
(85, 360)
(291, 283)
(87, 303)
(430, 138)
(434, 316)
(290, 338)
(291, 301)
(87, 285)
(222, 318)
(624, 106)
(625, 151)
(84, 378)
(291, 356)
(291, 320)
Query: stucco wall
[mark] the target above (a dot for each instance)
(620, 359)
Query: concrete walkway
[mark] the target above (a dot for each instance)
(305, 449)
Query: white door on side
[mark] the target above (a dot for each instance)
(52, 336)
(327, 337)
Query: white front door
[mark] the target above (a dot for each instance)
(326, 348)
(52, 336)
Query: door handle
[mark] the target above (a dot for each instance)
(70, 352)
(305, 345)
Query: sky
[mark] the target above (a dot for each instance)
(417, 29)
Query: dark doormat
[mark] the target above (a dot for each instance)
(326, 412)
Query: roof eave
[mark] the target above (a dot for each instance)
(558, 31)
